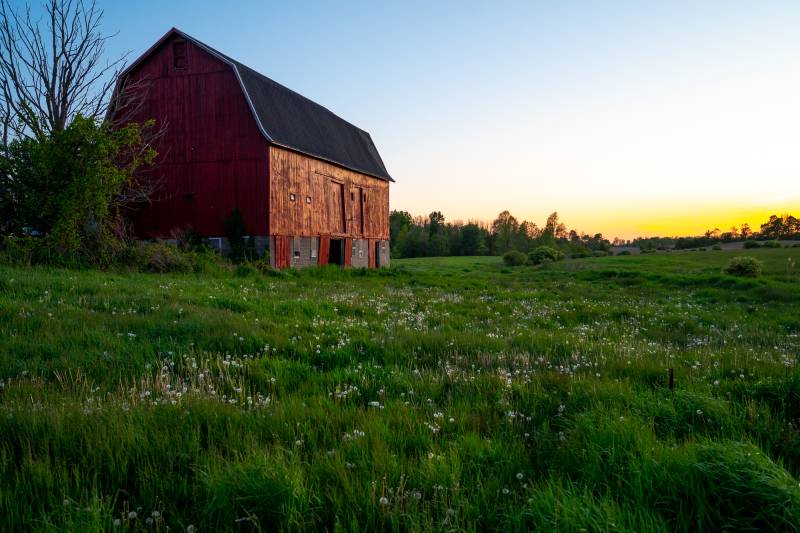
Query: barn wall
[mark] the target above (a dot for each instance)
(317, 187)
(212, 158)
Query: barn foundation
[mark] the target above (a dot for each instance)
(302, 252)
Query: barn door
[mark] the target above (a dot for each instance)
(348, 252)
(336, 207)
(283, 251)
(357, 201)
(324, 249)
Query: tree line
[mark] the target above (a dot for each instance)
(786, 227)
(433, 236)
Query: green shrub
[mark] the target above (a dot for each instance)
(599, 253)
(751, 244)
(744, 266)
(772, 244)
(544, 254)
(163, 257)
(796, 245)
(716, 247)
(514, 258)
(624, 252)
(648, 251)
(242, 246)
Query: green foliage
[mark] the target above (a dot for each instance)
(749, 245)
(514, 258)
(67, 188)
(544, 254)
(772, 244)
(624, 252)
(744, 266)
(163, 257)
(716, 247)
(235, 230)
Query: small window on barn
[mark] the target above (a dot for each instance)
(297, 254)
(179, 54)
(189, 196)
(292, 197)
(308, 199)
(353, 196)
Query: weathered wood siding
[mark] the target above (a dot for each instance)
(328, 200)
(212, 158)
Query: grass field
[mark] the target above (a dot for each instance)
(440, 394)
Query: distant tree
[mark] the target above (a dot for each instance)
(399, 225)
(745, 231)
(473, 240)
(553, 229)
(504, 229)
(436, 222)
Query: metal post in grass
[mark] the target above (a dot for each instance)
(671, 382)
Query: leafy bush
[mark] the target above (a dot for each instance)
(514, 258)
(599, 253)
(624, 252)
(163, 257)
(544, 254)
(716, 247)
(751, 244)
(648, 251)
(744, 266)
(772, 244)
(70, 188)
(235, 231)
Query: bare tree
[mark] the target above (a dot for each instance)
(53, 68)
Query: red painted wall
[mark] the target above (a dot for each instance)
(212, 149)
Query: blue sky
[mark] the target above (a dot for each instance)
(626, 117)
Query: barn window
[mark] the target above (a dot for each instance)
(297, 254)
(292, 197)
(189, 196)
(353, 196)
(179, 54)
(308, 199)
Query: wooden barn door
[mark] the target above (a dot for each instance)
(283, 251)
(372, 246)
(336, 207)
(324, 249)
(348, 252)
(357, 201)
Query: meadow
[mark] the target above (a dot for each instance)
(440, 394)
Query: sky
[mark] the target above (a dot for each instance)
(628, 118)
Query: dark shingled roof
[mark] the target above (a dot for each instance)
(291, 120)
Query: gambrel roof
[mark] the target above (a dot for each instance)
(291, 120)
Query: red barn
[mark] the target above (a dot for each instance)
(311, 186)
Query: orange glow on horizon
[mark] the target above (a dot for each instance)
(631, 221)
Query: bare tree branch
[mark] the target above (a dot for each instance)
(53, 68)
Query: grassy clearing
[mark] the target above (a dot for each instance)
(440, 394)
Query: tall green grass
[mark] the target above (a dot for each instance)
(449, 394)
